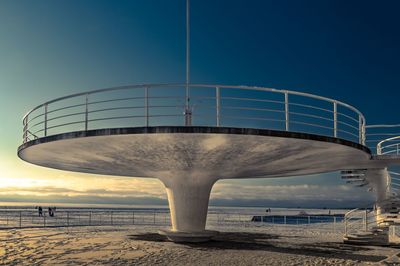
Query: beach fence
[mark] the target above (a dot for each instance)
(29, 219)
(331, 223)
(68, 218)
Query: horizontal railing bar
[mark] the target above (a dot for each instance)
(347, 132)
(390, 152)
(38, 123)
(310, 124)
(33, 118)
(394, 173)
(253, 118)
(67, 107)
(346, 124)
(37, 131)
(66, 124)
(390, 145)
(252, 109)
(250, 99)
(313, 116)
(383, 134)
(378, 126)
(116, 108)
(311, 106)
(67, 115)
(131, 116)
(117, 100)
(349, 117)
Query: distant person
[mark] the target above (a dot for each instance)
(51, 212)
(40, 210)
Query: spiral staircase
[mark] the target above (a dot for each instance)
(376, 225)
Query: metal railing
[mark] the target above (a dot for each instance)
(383, 139)
(357, 220)
(11, 219)
(389, 146)
(210, 105)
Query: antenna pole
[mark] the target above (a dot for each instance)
(188, 111)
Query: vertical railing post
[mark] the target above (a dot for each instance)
(286, 111)
(146, 105)
(335, 119)
(20, 219)
(45, 120)
(90, 218)
(361, 128)
(334, 224)
(133, 217)
(218, 105)
(25, 133)
(365, 221)
(111, 217)
(284, 219)
(86, 111)
(67, 218)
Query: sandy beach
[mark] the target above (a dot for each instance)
(141, 245)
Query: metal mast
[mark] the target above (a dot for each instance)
(188, 111)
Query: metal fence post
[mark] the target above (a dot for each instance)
(146, 105)
(335, 119)
(218, 104)
(20, 219)
(90, 218)
(111, 217)
(86, 111)
(45, 120)
(44, 220)
(361, 128)
(25, 133)
(286, 111)
(133, 217)
(67, 218)
(365, 220)
(284, 219)
(334, 224)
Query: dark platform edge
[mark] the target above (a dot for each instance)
(191, 129)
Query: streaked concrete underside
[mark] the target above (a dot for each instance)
(190, 160)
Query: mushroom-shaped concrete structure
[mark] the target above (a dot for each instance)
(191, 141)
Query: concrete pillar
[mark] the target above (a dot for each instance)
(188, 199)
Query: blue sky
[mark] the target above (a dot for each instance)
(347, 50)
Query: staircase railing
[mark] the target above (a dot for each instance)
(379, 136)
(356, 220)
(389, 146)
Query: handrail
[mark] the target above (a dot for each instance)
(380, 134)
(380, 148)
(286, 107)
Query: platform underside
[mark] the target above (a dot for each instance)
(220, 155)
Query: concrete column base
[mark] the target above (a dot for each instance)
(189, 237)
(188, 199)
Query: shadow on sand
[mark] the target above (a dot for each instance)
(262, 242)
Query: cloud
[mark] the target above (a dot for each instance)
(225, 192)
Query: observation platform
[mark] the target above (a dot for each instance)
(189, 143)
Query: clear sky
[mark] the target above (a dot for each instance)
(347, 50)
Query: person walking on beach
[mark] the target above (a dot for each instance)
(50, 212)
(40, 210)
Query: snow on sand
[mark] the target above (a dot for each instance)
(141, 245)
